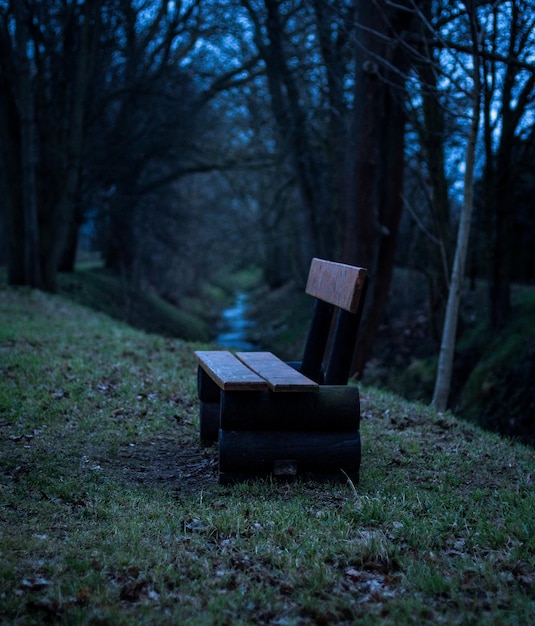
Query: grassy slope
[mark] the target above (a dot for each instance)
(102, 291)
(440, 529)
(499, 392)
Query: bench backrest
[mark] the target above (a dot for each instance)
(339, 290)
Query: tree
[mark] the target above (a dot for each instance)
(18, 151)
(162, 124)
(499, 101)
(98, 107)
(43, 127)
(447, 346)
(373, 201)
(508, 96)
(431, 118)
(28, 150)
(305, 48)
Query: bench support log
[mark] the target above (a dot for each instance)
(327, 456)
(333, 408)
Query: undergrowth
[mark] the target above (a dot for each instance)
(110, 511)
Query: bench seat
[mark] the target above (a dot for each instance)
(279, 375)
(228, 372)
(252, 371)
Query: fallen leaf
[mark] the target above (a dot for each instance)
(83, 596)
(286, 588)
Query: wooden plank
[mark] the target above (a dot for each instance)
(336, 283)
(228, 372)
(279, 375)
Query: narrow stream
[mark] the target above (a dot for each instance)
(234, 327)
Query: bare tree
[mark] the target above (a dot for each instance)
(28, 147)
(47, 43)
(162, 124)
(306, 49)
(101, 118)
(447, 346)
(18, 151)
(508, 96)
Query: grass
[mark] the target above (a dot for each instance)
(110, 512)
(97, 288)
(503, 376)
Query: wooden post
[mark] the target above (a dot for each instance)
(339, 365)
(345, 337)
(209, 422)
(317, 340)
(207, 389)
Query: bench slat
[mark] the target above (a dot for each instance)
(279, 375)
(336, 283)
(228, 372)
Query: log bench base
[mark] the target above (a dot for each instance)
(287, 428)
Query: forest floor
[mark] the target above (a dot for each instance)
(110, 510)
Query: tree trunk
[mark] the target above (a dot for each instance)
(503, 244)
(515, 98)
(63, 212)
(293, 128)
(373, 203)
(68, 260)
(28, 151)
(289, 111)
(503, 248)
(54, 100)
(333, 41)
(361, 223)
(10, 166)
(447, 345)
(432, 139)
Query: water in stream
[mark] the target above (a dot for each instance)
(234, 327)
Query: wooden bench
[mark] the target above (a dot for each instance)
(272, 417)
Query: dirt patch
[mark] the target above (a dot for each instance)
(166, 461)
